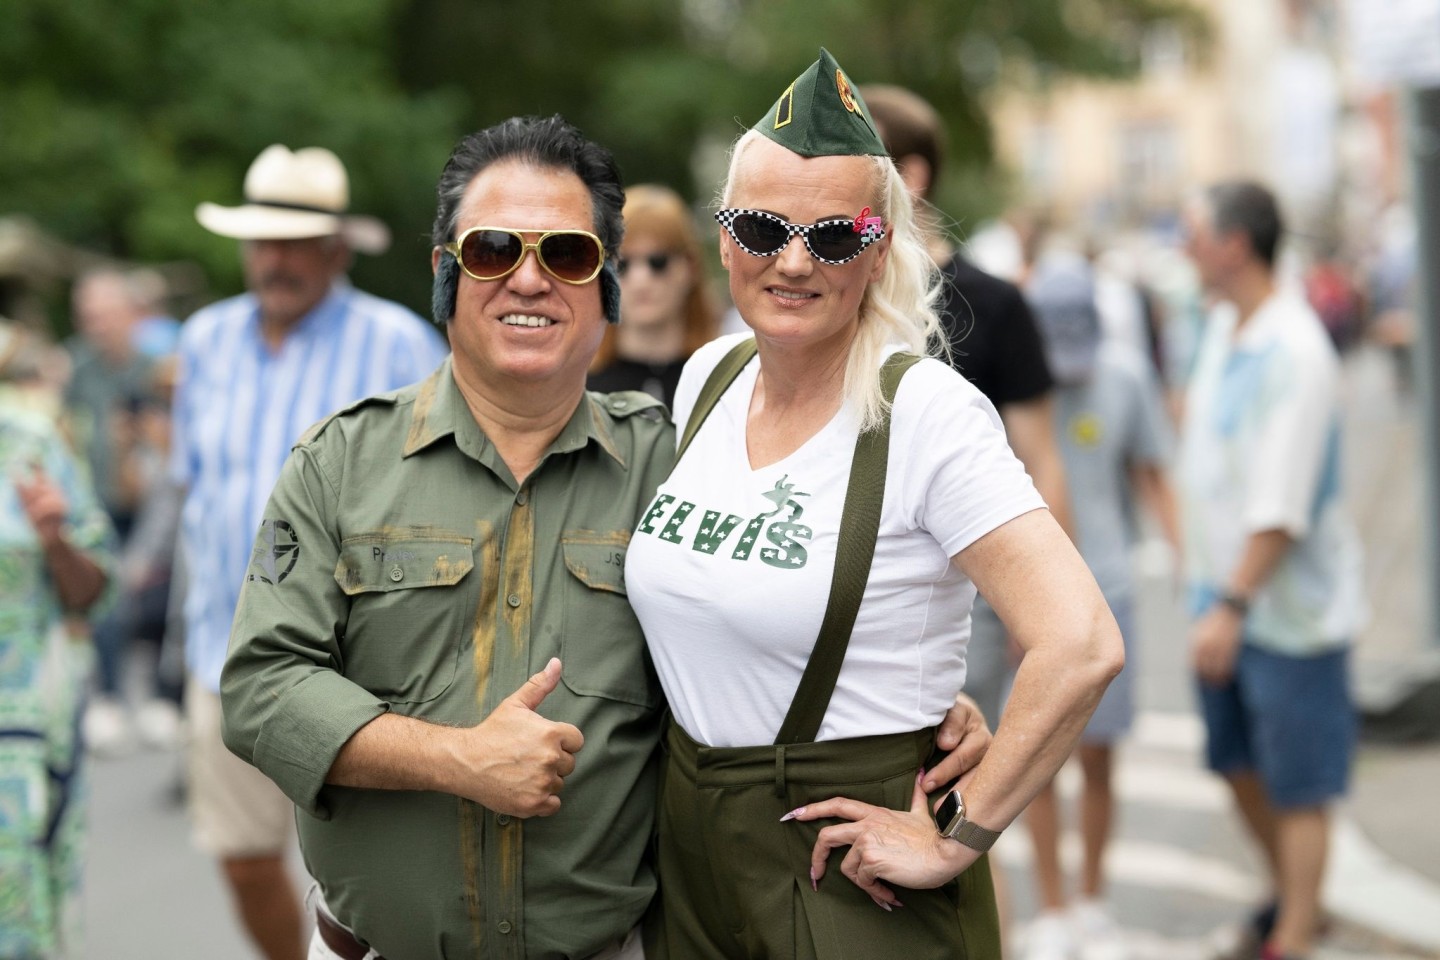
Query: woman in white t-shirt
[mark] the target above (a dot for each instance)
(731, 575)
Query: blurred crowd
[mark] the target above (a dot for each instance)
(108, 390)
(87, 426)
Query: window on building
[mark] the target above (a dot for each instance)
(1162, 51)
(1149, 174)
(1041, 163)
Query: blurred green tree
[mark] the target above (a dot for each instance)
(116, 119)
(669, 85)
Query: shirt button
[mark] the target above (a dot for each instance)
(397, 574)
(619, 404)
(503, 819)
(504, 926)
(522, 498)
(513, 599)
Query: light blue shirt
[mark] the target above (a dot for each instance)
(1261, 451)
(239, 407)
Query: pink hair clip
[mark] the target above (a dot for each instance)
(869, 226)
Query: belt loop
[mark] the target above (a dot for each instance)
(780, 771)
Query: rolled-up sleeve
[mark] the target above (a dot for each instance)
(1292, 441)
(288, 708)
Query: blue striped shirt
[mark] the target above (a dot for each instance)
(239, 407)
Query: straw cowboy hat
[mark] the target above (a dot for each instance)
(294, 195)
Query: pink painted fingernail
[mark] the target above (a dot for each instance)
(813, 884)
(882, 904)
(792, 814)
(899, 904)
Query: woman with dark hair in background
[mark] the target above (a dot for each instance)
(666, 308)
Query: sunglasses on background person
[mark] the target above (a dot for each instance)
(492, 253)
(657, 262)
(836, 241)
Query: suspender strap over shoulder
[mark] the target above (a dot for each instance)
(859, 525)
(715, 386)
(855, 549)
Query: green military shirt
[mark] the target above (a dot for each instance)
(400, 567)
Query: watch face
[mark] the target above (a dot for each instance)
(945, 815)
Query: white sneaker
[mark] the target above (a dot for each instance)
(158, 722)
(107, 727)
(1049, 938)
(1096, 932)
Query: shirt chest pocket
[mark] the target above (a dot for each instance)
(411, 607)
(602, 645)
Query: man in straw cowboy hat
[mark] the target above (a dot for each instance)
(255, 371)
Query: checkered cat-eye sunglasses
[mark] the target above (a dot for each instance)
(836, 241)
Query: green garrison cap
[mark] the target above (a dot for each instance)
(821, 115)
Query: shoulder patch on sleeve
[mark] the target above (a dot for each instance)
(389, 399)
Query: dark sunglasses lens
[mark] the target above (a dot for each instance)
(657, 262)
(490, 253)
(570, 256)
(758, 234)
(834, 240)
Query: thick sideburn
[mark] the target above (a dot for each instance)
(610, 292)
(444, 289)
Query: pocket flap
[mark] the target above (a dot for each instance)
(380, 562)
(597, 560)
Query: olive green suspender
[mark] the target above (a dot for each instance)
(859, 524)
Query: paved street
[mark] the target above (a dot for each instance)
(149, 895)
(1179, 864)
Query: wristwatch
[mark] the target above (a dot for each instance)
(950, 818)
(1237, 602)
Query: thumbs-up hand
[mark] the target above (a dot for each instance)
(516, 760)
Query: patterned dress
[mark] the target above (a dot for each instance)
(43, 671)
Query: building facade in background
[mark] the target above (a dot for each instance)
(1274, 95)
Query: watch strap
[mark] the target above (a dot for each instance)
(960, 828)
(974, 836)
(1236, 602)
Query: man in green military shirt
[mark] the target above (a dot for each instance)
(424, 552)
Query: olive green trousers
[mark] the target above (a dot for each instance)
(734, 879)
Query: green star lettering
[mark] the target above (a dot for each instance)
(785, 536)
(672, 526)
(715, 527)
(657, 510)
(714, 530)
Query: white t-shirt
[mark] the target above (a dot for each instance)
(730, 570)
(1261, 451)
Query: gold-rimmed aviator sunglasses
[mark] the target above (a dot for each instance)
(493, 253)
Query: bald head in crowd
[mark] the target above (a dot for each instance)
(107, 308)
